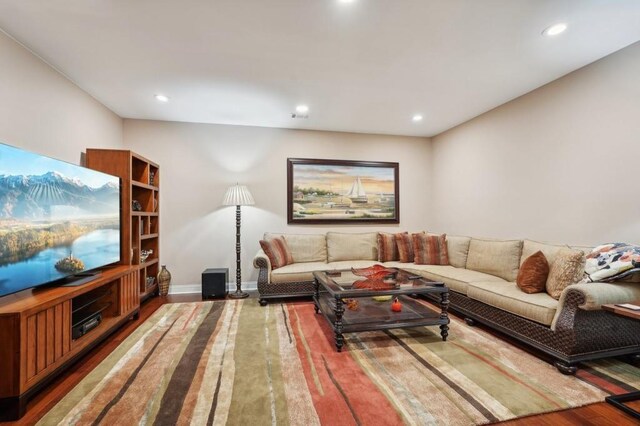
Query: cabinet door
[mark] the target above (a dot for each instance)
(47, 338)
(129, 293)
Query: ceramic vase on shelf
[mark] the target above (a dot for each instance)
(164, 279)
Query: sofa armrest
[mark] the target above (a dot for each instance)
(598, 294)
(591, 297)
(262, 262)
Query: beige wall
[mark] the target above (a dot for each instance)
(199, 161)
(557, 164)
(42, 111)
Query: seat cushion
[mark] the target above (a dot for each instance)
(495, 257)
(349, 246)
(304, 247)
(304, 271)
(538, 307)
(457, 279)
(297, 272)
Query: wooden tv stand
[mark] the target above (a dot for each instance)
(36, 339)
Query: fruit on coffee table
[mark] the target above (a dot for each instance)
(396, 306)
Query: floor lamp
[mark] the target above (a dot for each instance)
(238, 195)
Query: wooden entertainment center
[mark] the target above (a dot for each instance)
(36, 330)
(44, 330)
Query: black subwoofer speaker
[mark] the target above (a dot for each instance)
(214, 283)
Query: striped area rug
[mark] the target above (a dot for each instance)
(209, 363)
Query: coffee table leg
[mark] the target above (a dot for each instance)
(339, 310)
(444, 315)
(316, 293)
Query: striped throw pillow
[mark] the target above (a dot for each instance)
(430, 249)
(387, 247)
(405, 247)
(277, 251)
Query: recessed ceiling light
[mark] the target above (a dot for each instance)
(417, 118)
(555, 29)
(302, 109)
(161, 98)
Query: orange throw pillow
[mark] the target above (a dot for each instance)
(405, 247)
(533, 273)
(430, 249)
(387, 247)
(277, 251)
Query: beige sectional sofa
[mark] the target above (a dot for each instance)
(481, 278)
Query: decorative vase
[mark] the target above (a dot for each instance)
(164, 279)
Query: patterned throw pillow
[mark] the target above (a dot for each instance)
(387, 247)
(405, 247)
(430, 249)
(567, 269)
(533, 273)
(277, 251)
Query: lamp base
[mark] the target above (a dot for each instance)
(238, 294)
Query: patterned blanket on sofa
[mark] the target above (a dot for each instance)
(610, 260)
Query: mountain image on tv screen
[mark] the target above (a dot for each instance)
(56, 219)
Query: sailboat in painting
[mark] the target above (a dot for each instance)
(357, 193)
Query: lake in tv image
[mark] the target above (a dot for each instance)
(56, 219)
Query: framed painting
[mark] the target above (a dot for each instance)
(338, 191)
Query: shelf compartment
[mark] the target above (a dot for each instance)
(144, 185)
(139, 170)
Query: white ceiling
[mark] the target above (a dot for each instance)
(365, 66)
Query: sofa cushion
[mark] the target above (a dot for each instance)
(304, 247)
(533, 273)
(304, 271)
(345, 246)
(430, 249)
(495, 257)
(538, 307)
(567, 269)
(550, 251)
(457, 279)
(387, 247)
(458, 249)
(277, 251)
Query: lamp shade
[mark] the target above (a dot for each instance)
(238, 195)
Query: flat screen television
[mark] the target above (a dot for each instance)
(57, 220)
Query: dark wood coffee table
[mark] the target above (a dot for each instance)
(619, 401)
(333, 287)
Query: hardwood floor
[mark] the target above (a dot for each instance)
(595, 414)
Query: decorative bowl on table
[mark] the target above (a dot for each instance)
(376, 272)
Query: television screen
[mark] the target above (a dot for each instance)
(56, 219)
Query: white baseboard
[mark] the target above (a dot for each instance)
(197, 288)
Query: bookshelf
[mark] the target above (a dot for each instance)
(140, 223)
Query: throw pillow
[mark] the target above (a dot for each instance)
(533, 274)
(405, 247)
(567, 269)
(387, 247)
(430, 249)
(277, 251)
